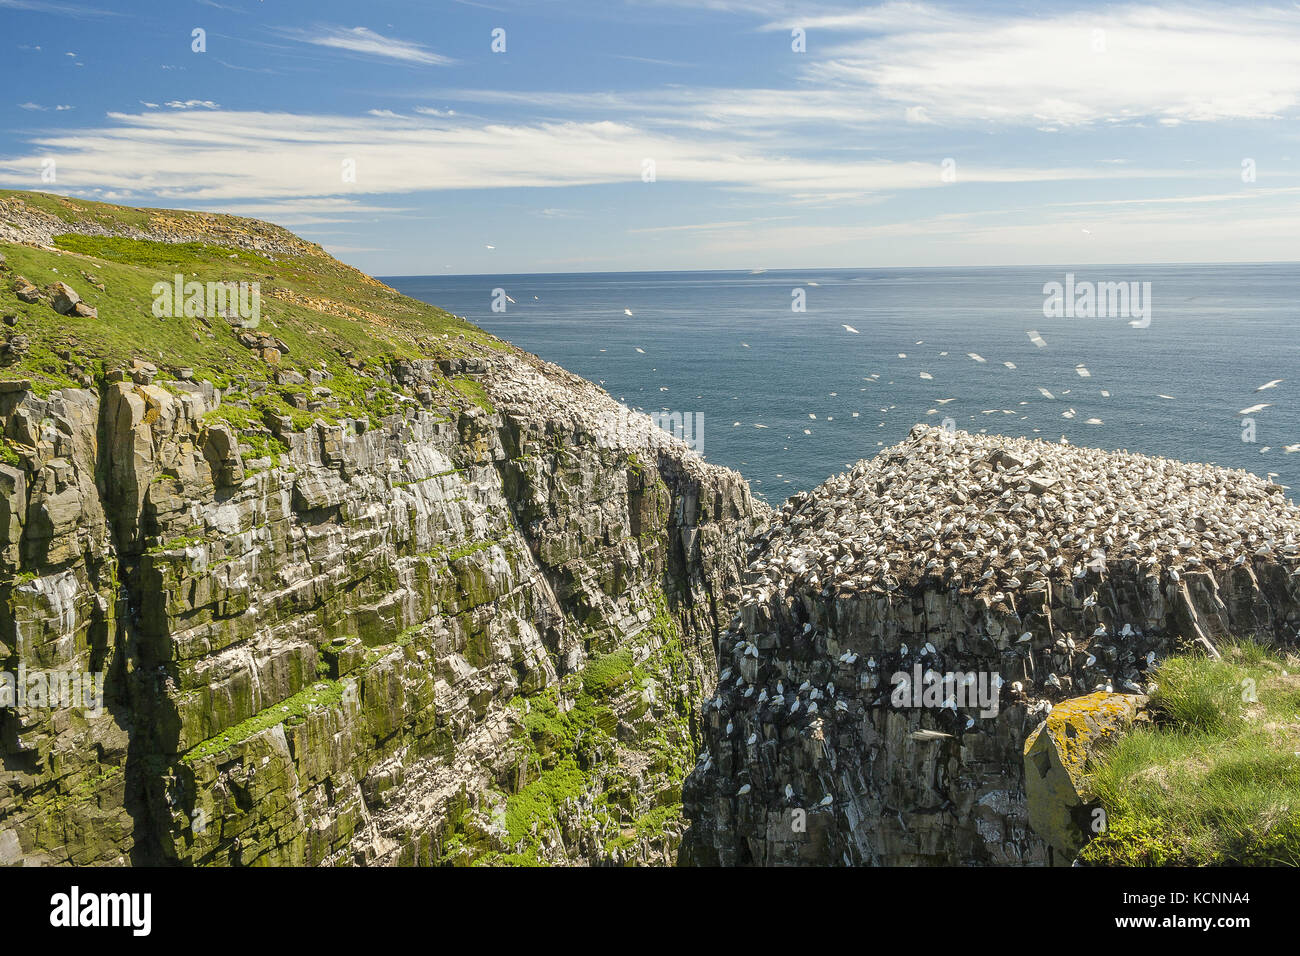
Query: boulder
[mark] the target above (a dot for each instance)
(1057, 787)
(63, 298)
(143, 373)
(25, 290)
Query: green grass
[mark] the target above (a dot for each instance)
(158, 255)
(318, 695)
(573, 750)
(1215, 779)
(537, 803)
(606, 674)
(1201, 694)
(322, 309)
(474, 392)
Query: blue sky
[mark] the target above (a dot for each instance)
(1077, 134)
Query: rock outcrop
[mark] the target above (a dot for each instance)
(365, 646)
(906, 626)
(1059, 797)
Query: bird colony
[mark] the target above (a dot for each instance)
(1031, 570)
(998, 517)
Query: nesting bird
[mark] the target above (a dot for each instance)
(1001, 516)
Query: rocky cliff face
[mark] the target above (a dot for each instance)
(455, 633)
(363, 585)
(905, 628)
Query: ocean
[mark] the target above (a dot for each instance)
(729, 350)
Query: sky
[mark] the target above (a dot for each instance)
(619, 135)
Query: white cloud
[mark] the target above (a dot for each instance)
(313, 211)
(370, 43)
(1174, 65)
(225, 154)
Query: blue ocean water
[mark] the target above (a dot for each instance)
(729, 347)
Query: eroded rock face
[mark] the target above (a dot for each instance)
(1029, 572)
(365, 649)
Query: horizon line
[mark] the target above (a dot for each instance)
(784, 269)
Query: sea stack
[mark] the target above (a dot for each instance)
(907, 625)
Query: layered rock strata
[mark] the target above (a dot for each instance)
(448, 635)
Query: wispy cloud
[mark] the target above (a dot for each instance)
(313, 211)
(1131, 235)
(369, 43)
(1243, 195)
(211, 153)
(59, 9)
(711, 226)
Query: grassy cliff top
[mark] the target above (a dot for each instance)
(326, 314)
(1215, 778)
